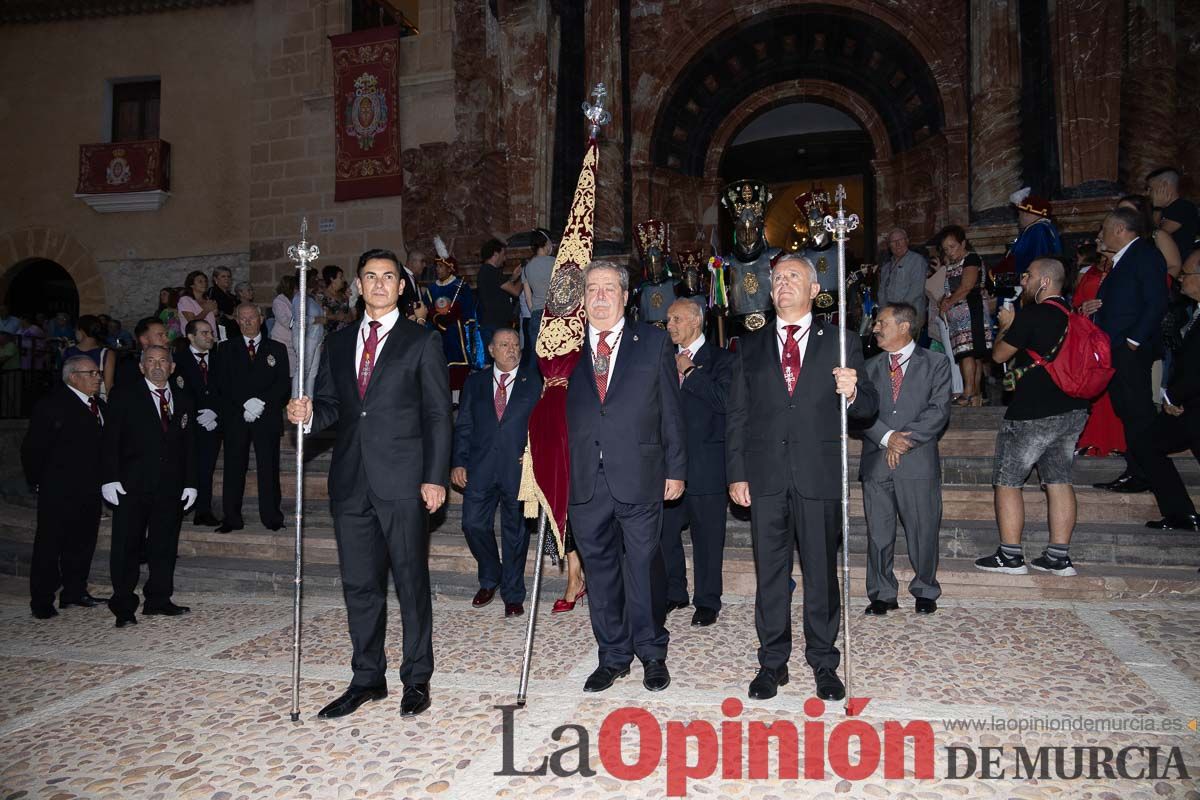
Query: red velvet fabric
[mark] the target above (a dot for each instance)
(366, 124)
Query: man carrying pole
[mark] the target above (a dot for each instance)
(781, 462)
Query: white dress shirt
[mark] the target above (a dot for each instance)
(614, 342)
(508, 382)
(154, 397)
(257, 342)
(694, 347)
(87, 401)
(905, 354)
(1117, 257)
(386, 323)
(805, 324)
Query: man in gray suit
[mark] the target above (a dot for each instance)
(900, 468)
(902, 277)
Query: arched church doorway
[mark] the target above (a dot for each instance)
(40, 286)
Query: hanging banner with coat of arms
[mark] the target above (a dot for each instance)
(366, 127)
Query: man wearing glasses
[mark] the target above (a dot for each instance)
(61, 458)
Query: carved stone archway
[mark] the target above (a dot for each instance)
(54, 245)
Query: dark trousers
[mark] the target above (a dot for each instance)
(1168, 435)
(478, 521)
(238, 437)
(704, 514)
(156, 517)
(915, 503)
(1132, 398)
(619, 544)
(374, 535)
(205, 449)
(63, 546)
(778, 523)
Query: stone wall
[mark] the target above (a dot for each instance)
(133, 284)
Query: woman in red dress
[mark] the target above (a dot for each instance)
(1103, 434)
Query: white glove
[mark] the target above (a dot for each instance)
(253, 409)
(110, 491)
(207, 419)
(188, 497)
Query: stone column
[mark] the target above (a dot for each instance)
(1148, 93)
(995, 103)
(603, 45)
(1085, 43)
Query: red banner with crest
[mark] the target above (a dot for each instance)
(365, 108)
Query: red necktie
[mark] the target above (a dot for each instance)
(600, 366)
(791, 358)
(501, 396)
(686, 354)
(367, 362)
(95, 407)
(897, 375)
(204, 364)
(164, 408)
(250, 348)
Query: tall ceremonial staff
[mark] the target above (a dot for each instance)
(303, 254)
(840, 226)
(546, 474)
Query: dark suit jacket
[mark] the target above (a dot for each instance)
(400, 431)
(490, 449)
(1184, 388)
(1135, 297)
(639, 428)
(922, 409)
(704, 395)
(135, 449)
(238, 379)
(203, 395)
(61, 450)
(775, 441)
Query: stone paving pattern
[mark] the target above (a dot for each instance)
(197, 707)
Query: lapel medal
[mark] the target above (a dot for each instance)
(183, 421)
(600, 365)
(179, 381)
(270, 361)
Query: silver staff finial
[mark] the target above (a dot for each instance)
(595, 112)
(303, 253)
(841, 225)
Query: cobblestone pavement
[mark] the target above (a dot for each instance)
(197, 706)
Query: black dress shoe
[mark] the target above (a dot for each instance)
(1188, 523)
(829, 685)
(351, 699)
(276, 526)
(205, 521)
(704, 617)
(126, 619)
(767, 682)
(675, 605)
(655, 677)
(483, 597)
(84, 601)
(514, 609)
(227, 528)
(1129, 485)
(44, 612)
(926, 606)
(603, 678)
(414, 700)
(879, 608)
(167, 609)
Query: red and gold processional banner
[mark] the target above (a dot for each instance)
(546, 477)
(124, 167)
(365, 109)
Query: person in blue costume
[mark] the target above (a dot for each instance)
(453, 311)
(1038, 235)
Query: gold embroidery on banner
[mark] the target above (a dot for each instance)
(560, 335)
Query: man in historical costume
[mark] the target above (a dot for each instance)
(693, 278)
(628, 453)
(657, 290)
(781, 445)
(749, 265)
(453, 311)
(1038, 235)
(383, 382)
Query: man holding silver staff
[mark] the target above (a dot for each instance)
(782, 451)
(385, 383)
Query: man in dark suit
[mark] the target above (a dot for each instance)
(1177, 427)
(1133, 301)
(61, 457)
(490, 432)
(385, 383)
(704, 372)
(147, 470)
(628, 453)
(253, 384)
(900, 468)
(148, 331)
(196, 366)
(782, 449)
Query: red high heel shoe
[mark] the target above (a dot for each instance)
(562, 604)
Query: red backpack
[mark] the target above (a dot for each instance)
(1082, 362)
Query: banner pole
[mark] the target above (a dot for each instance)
(539, 555)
